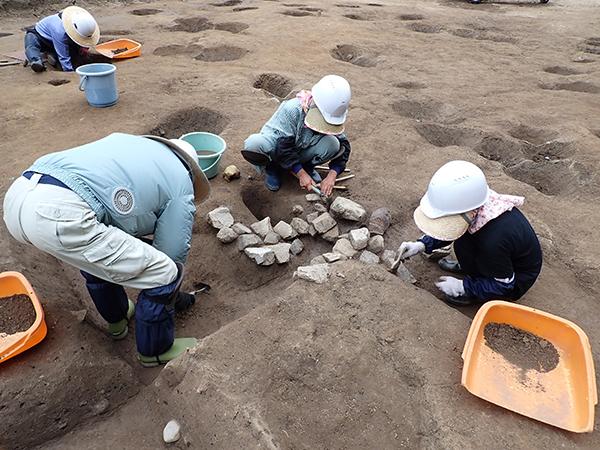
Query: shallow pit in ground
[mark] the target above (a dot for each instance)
(190, 120)
(220, 53)
(274, 84)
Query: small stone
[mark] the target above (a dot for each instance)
(380, 221)
(285, 230)
(375, 244)
(226, 235)
(231, 173)
(272, 238)
(332, 257)
(318, 260)
(248, 240)
(220, 217)
(331, 235)
(297, 210)
(282, 252)
(388, 257)
(359, 238)
(312, 197)
(310, 218)
(404, 274)
(263, 227)
(318, 273)
(347, 209)
(324, 223)
(301, 226)
(320, 207)
(369, 258)
(172, 432)
(263, 256)
(296, 247)
(344, 247)
(312, 230)
(240, 228)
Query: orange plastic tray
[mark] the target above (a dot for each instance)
(12, 283)
(133, 49)
(563, 397)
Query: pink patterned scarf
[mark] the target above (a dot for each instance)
(496, 205)
(305, 99)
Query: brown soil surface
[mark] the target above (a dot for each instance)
(521, 348)
(365, 360)
(16, 313)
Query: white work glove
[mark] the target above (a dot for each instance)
(451, 286)
(408, 249)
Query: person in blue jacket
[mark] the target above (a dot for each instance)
(71, 31)
(92, 206)
(497, 250)
(304, 132)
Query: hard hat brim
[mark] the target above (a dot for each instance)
(447, 228)
(199, 180)
(315, 121)
(67, 20)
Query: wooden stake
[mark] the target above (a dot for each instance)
(345, 178)
(327, 168)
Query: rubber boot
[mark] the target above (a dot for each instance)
(120, 329)
(272, 177)
(38, 65)
(180, 345)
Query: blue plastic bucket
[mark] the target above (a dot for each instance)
(209, 148)
(99, 83)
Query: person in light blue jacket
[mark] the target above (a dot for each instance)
(90, 206)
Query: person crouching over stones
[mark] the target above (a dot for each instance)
(304, 132)
(89, 205)
(496, 247)
(71, 31)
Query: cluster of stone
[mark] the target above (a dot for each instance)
(267, 244)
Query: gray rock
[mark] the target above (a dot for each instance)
(301, 226)
(263, 256)
(320, 207)
(404, 274)
(297, 210)
(332, 235)
(324, 223)
(282, 252)
(388, 257)
(226, 235)
(312, 216)
(263, 227)
(248, 240)
(296, 247)
(285, 230)
(368, 257)
(332, 257)
(240, 228)
(318, 273)
(172, 432)
(318, 260)
(220, 217)
(344, 247)
(272, 238)
(359, 238)
(376, 244)
(312, 230)
(379, 221)
(312, 197)
(347, 209)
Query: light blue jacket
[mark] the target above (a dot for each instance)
(52, 28)
(133, 183)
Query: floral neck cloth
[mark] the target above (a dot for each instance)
(305, 99)
(496, 205)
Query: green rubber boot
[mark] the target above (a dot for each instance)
(180, 345)
(119, 330)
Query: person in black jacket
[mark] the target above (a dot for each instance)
(496, 247)
(304, 132)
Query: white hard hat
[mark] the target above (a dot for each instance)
(332, 96)
(81, 26)
(457, 187)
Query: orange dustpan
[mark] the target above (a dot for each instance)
(120, 48)
(12, 283)
(564, 396)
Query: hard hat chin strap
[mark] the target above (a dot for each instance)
(467, 219)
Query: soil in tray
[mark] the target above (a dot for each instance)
(116, 51)
(16, 314)
(521, 348)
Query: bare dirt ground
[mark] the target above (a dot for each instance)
(366, 360)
